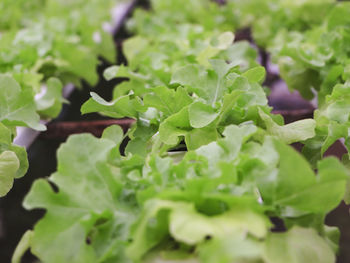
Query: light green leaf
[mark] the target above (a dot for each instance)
(221, 67)
(182, 222)
(17, 106)
(133, 46)
(114, 133)
(150, 228)
(222, 42)
(9, 165)
(115, 71)
(50, 104)
(225, 40)
(299, 189)
(80, 61)
(294, 132)
(22, 247)
(119, 108)
(201, 114)
(207, 84)
(176, 125)
(298, 245)
(195, 79)
(335, 132)
(256, 74)
(231, 249)
(21, 154)
(84, 208)
(191, 227)
(7, 145)
(199, 137)
(5, 134)
(339, 16)
(167, 100)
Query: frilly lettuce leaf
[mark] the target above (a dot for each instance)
(317, 59)
(332, 122)
(9, 165)
(17, 106)
(293, 247)
(86, 223)
(13, 161)
(129, 208)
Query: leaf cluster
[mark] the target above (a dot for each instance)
(208, 174)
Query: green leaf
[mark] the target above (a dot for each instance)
(294, 247)
(333, 118)
(85, 207)
(21, 154)
(9, 165)
(50, 104)
(119, 108)
(5, 134)
(335, 132)
(114, 133)
(106, 47)
(79, 60)
(17, 106)
(221, 67)
(183, 223)
(196, 79)
(339, 111)
(176, 125)
(226, 149)
(199, 137)
(133, 46)
(167, 100)
(339, 16)
(22, 247)
(191, 227)
(208, 85)
(6, 145)
(241, 53)
(230, 249)
(115, 71)
(256, 74)
(222, 42)
(300, 190)
(235, 136)
(150, 228)
(201, 114)
(122, 72)
(293, 132)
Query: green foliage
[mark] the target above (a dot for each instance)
(208, 200)
(17, 105)
(44, 45)
(319, 58)
(238, 173)
(13, 160)
(9, 165)
(333, 122)
(207, 170)
(96, 218)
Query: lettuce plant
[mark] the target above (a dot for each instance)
(314, 62)
(196, 206)
(208, 174)
(44, 45)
